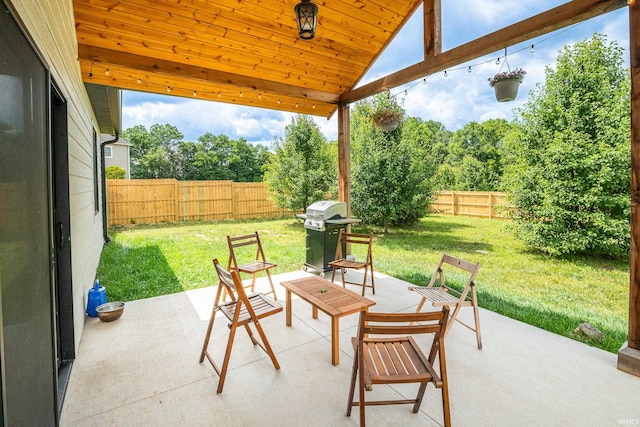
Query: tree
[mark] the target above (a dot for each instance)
(154, 153)
(475, 152)
(115, 172)
(569, 163)
(301, 170)
(160, 153)
(390, 179)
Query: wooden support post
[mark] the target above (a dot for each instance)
(432, 28)
(344, 157)
(629, 354)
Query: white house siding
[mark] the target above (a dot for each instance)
(50, 23)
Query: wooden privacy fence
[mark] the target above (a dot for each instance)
(488, 204)
(147, 201)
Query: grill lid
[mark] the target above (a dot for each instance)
(326, 209)
(319, 212)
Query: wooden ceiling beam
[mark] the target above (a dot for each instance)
(543, 23)
(144, 64)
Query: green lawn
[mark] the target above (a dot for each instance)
(552, 293)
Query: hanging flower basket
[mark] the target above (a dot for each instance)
(506, 84)
(386, 119)
(506, 90)
(385, 113)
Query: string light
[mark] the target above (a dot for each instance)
(194, 92)
(531, 49)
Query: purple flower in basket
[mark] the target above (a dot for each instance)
(517, 74)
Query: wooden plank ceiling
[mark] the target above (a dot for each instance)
(235, 51)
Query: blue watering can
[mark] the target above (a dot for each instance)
(97, 296)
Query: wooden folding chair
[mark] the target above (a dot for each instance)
(241, 311)
(258, 262)
(398, 359)
(442, 295)
(343, 263)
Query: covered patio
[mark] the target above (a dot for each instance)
(248, 53)
(143, 370)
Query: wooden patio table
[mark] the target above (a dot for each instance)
(329, 298)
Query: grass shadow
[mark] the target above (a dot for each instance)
(141, 272)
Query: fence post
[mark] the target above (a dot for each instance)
(453, 203)
(234, 201)
(490, 205)
(176, 201)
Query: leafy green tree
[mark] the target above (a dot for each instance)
(115, 172)
(154, 152)
(569, 162)
(445, 178)
(472, 175)
(301, 170)
(390, 173)
(484, 143)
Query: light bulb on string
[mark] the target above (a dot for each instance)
(139, 81)
(498, 61)
(445, 73)
(533, 49)
(469, 69)
(219, 94)
(106, 72)
(195, 93)
(168, 89)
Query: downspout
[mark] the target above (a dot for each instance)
(105, 235)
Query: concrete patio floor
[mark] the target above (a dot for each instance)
(143, 370)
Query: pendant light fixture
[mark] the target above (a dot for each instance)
(306, 14)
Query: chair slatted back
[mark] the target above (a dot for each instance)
(387, 353)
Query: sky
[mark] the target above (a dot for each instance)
(460, 97)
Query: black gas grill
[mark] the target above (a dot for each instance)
(323, 221)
